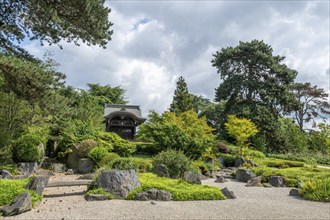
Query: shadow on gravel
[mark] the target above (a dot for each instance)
(65, 194)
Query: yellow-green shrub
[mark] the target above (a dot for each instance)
(316, 190)
(180, 190)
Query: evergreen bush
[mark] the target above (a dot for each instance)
(176, 162)
(98, 153)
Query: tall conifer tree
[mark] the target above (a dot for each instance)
(182, 100)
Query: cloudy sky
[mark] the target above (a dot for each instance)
(155, 42)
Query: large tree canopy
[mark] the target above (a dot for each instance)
(52, 21)
(313, 103)
(255, 83)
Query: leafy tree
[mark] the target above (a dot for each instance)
(182, 99)
(214, 114)
(255, 85)
(295, 140)
(52, 21)
(313, 101)
(199, 103)
(184, 132)
(240, 129)
(320, 140)
(107, 94)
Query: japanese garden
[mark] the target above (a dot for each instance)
(262, 129)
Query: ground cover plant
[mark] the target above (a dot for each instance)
(9, 189)
(99, 191)
(292, 176)
(278, 163)
(180, 189)
(316, 190)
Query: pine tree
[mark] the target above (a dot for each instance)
(182, 99)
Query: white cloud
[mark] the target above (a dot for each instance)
(156, 42)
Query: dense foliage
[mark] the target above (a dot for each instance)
(255, 85)
(184, 132)
(51, 22)
(316, 190)
(9, 189)
(176, 162)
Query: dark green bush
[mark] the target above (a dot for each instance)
(176, 162)
(27, 148)
(142, 165)
(227, 160)
(122, 164)
(85, 147)
(98, 153)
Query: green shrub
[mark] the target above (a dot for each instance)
(316, 190)
(142, 165)
(176, 162)
(200, 166)
(98, 153)
(108, 159)
(292, 175)
(10, 167)
(148, 148)
(227, 160)
(113, 142)
(304, 157)
(122, 164)
(180, 190)
(124, 148)
(100, 191)
(85, 147)
(256, 153)
(9, 189)
(186, 132)
(27, 148)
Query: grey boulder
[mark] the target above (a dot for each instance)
(220, 179)
(244, 175)
(27, 167)
(5, 174)
(239, 162)
(228, 194)
(294, 192)
(161, 170)
(85, 165)
(154, 194)
(276, 181)
(192, 177)
(21, 203)
(118, 182)
(255, 181)
(38, 183)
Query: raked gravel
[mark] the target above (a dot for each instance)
(251, 203)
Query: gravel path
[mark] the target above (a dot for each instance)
(251, 203)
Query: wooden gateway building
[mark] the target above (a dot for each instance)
(123, 119)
